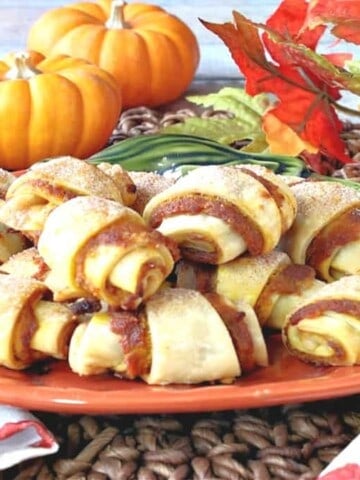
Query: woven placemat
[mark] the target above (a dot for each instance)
(292, 442)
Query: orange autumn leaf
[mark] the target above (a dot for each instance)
(282, 139)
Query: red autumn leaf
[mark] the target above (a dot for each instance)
(304, 83)
(319, 70)
(295, 13)
(246, 48)
(309, 115)
(349, 31)
(343, 14)
(338, 59)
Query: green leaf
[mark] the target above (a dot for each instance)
(224, 130)
(258, 144)
(246, 121)
(353, 66)
(234, 100)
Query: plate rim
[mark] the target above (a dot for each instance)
(181, 399)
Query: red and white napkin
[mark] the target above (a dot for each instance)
(346, 465)
(22, 436)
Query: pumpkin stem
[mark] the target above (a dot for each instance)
(22, 68)
(117, 17)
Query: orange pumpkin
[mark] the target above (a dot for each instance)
(54, 106)
(152, 54)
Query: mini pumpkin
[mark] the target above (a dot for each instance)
(53, 106)
(152, 54)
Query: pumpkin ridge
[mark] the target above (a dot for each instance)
(102, 114)
(53, 25)
(94, 10)
(172, 52)
(128, 87)
(14, 131)
(74, 41)
(58, 134)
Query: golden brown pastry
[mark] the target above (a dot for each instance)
(177, 336)
(326, 230)
(148, 184)
(278, 189)
(32, 328)
(11, 242)
(98, 247)
(122, 179)
(6, 179)
(33, 195)
(27, 263)
(325, 328)
(270, 283)
(216, 213)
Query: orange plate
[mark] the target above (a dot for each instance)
(286, 380)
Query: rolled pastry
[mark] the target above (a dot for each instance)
(32, 328)
(32, 196)
(6, 179)
(148, 184)
(11, 242)
(27, 263)
(326, 230)
(98, 247)
(122, 179)
(270, 283)
(177, 336)
(325, 328)
(216, 213)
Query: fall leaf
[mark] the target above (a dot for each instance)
(282, 62)
(282, 139)
(246, 48)
(321, 69)
(293, 29)
(236, 101)
(246, 121)
(224, 130)
(343, 14)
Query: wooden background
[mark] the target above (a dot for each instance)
(16, 16)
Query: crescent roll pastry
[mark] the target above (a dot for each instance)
(278, 188)
(32, 196)
(27, 263)
(325, 328)
(32, 328)
(148, 184)
(122, 179)
(326, 230)
(98, 247)
(270, 283)
(177, 336)
(6, 179)
(11, 242)
(216, 213)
